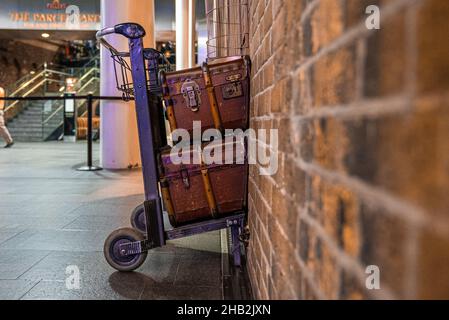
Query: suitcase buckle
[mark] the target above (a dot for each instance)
(185, 178)
(192, 95)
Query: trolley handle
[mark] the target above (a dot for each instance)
(129, 30)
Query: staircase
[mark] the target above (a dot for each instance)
(29, 125)
(41, 120)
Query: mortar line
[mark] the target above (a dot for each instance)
(347, 262)
(359, 30)
(371, 194)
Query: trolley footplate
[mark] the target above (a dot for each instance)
(133, 248)
(205, 226)
(234, 222)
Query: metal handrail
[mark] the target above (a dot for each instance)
(40, 74)
(88, 73)
(25, 78)
(43, 75)
(23, 86)
(43, 67)
(25, 95)
(35, 81)
(43, 81)
(78, 91)
(87, 83)
(52, 115)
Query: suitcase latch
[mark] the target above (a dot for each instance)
(185, 178)
(192, 95)
(232, 90)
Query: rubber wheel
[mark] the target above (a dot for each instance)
(112, 252)
(138, 219)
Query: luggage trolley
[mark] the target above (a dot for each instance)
(126, 249)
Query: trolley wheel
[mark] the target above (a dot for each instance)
(112, 253)
(138, 219)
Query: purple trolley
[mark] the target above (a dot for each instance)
(126, 249)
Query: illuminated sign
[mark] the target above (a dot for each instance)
(56, 5)
(50, 15)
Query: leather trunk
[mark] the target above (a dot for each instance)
(193, 192)
(217, 94)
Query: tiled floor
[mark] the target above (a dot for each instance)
(53, 217)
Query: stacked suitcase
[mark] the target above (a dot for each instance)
(217, 94)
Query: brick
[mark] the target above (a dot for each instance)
(433, 48)
(268, 18)
(302, 99)
(362, 151)
(326, 275)
(351, 288)
(330, 143)
(384, 240)
(295, 179)
(432, 275)
(279, 29)
(385, 64)
(304, 241)
(412, 146)
(326, 23)
(268, 74)
(284, 210)
(283, 128)
(341, 218)
(334, 78)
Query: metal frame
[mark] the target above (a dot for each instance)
(146, 98)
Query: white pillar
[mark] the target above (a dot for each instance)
(185, 34)
(192, 33)
(119, 146)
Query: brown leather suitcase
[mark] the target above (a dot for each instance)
(217, 94)
(193, 192)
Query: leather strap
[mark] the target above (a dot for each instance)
(210, 196)
(212, 98)
(209, 192)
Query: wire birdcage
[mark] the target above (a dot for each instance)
(155, 62)
(227, 28)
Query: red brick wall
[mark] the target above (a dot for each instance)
(363, 119)
(17, 59)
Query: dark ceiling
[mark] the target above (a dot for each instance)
(54, 34)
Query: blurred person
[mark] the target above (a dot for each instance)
(3, 130)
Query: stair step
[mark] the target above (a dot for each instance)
(25, 126)
(26, 132)
(24, 121)
(26, 136)
(27, 139)
(37, 112)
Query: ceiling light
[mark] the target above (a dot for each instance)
(45, 35)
